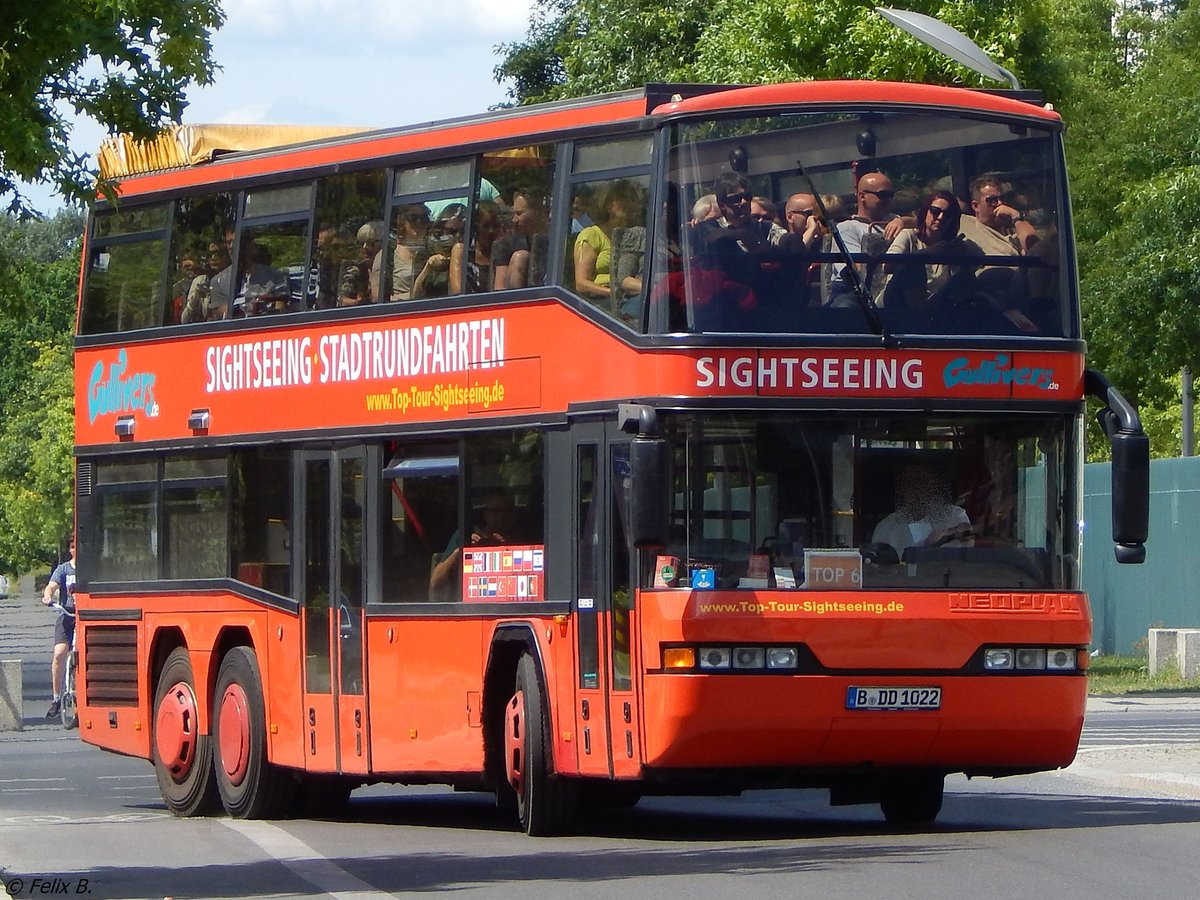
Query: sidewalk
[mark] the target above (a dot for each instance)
(27, 634)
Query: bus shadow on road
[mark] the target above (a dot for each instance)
(776, 815)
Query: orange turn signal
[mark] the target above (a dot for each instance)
(679, 657)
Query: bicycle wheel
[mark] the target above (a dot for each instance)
(69, 708)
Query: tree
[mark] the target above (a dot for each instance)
(37, 478)
(40, 259)
(580, 47)
(124, 63)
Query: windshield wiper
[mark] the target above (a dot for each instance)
(850, 272)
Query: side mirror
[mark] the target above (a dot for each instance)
(649, 494)
(1130, 495)
(1130, 469)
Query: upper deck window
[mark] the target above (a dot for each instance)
(954, 225)
(278, 201)
(609, 199)
(125, 288)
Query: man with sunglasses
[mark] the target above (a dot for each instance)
(999, 229)
(804, 220)
(734, 201)
(869, 231)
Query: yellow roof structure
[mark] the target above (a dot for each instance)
(180, 146)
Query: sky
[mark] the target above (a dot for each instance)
(374, 63)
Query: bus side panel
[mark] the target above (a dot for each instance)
(283, 680)
(422, 673)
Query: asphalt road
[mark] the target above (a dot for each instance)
(1122, 821)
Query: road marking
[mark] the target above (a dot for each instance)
(28, 780)
(302, 860)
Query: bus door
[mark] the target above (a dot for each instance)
(606, 709)
(331, 503)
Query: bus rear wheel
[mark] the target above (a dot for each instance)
(182, 755)
(249, 785)
(546, 803)
(914, 799)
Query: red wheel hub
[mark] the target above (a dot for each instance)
(175, 730)
(235, 733)
(514, 742)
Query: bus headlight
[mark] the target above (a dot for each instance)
(997, 658)
(715, 657)
(749, 657)
(1031, 658)
(1060, 660)
(782, 658)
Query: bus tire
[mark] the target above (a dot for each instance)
(182, 756)
(546, 803)
(912, 799)
(249, 785)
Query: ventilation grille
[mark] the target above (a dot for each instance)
(110, 654)
(84, 473)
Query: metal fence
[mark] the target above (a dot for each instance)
(1165, 590)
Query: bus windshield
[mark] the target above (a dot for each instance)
(895, 501)
(952, 223)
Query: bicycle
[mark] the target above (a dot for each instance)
(68, 706)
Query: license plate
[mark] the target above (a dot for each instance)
(893, 697)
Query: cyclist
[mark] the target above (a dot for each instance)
(61, 586)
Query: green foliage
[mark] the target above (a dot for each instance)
(124, 63)
(579, 47)
(39, 274)
(1137, 204)
(36, 472)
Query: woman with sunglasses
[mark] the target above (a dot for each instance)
(918, 284)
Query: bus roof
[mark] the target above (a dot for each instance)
(192, 155)
(869, 92)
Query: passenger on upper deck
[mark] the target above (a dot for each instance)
(189, 268)
(705, 208)
(263, 287)
(1002, 230)
(869, 231)
(621, 207)
(520, 257)
(369, 240)
(331, 248)
(410, 253)
(736, 226)
(931, 285)
(208, 297)
(444, 235)
(803, 223)
(763, 210)
(479, 264)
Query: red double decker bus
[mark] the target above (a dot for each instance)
(535, 453)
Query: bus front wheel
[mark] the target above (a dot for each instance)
(545, 802)
(182, 755)
(250, 786)
(914, 799)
